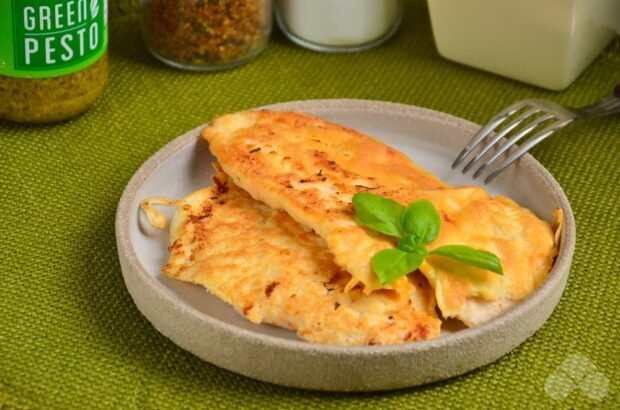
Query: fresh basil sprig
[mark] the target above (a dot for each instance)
(415, 226)
(379, 214)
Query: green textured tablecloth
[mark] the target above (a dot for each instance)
(70, 335)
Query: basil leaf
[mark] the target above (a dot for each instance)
(470, 256)
(411, 243)
(378, 213)
(415, 226)
(421, 219)
(391, 264)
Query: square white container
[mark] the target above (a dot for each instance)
(547, 43)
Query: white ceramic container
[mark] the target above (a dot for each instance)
(546, 43)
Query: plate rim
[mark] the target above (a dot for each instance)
(127, 252)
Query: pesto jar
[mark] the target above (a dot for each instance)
(53, 61)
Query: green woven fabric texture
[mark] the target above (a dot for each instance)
(70, 335)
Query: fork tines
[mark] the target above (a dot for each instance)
(524, 118)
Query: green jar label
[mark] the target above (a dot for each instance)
(50, 38)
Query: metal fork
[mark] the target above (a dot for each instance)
(538, 118)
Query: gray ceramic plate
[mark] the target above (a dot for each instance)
(213, 331)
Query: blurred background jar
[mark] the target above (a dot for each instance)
(339, 25)
(206, 35)
(53, 61)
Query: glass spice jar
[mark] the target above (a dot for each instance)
(339, 26)
(206, 35)
(53, 61)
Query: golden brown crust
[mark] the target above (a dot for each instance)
(311, 169)
(524, 244)
(273, 270)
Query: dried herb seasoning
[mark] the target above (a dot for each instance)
(206, 34)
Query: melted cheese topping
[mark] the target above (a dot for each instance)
(273, 270)
(311, 168)
(524, 244)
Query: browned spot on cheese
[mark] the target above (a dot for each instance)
(175, 245)
(247, 308)
(422, 331)
(206, 212)
(222, 186)
(445, 217)
(269, 289)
